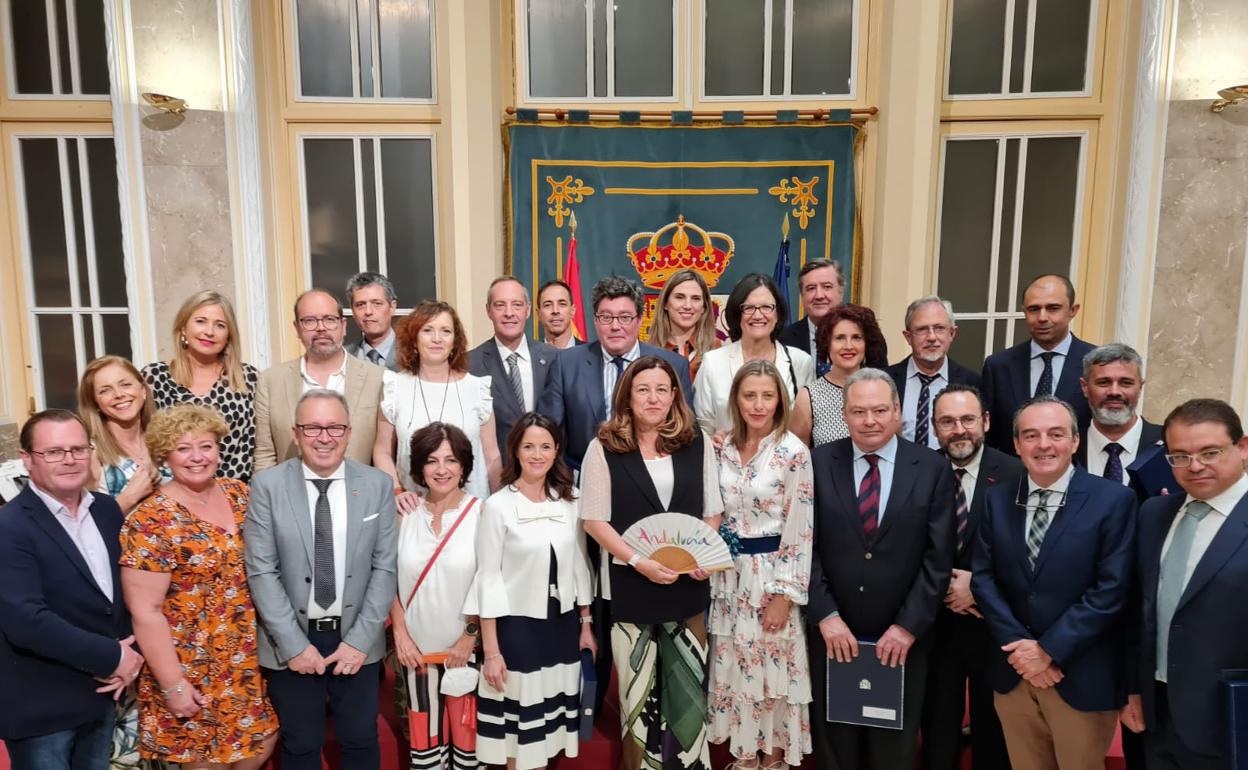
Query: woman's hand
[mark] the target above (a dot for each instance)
(405, 647)
(699, 574)
(495, 671)
(460, 651)
(655, 572)
(588, 642)
(776, 613)
(142, 483)
(407, 502)
(187, 703)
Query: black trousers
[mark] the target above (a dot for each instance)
(1165, 750)
(958, 666)
(300, 703)
(851, 747)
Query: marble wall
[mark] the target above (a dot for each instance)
(1203, 225)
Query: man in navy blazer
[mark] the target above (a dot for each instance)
(1117, 436)
(1193, 576)
(66, 651)
(1052, 571)
(822, 287)
(1048, 364)
(577, 394)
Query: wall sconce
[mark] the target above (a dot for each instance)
(1230, 96)
(170, 104)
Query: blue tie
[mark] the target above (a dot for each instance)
(1174, 576)
(1113, 464)
(1044, 387)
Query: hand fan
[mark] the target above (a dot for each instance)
(680, 542)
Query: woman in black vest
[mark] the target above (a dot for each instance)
(649, 458)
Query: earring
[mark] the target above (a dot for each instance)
(182, 340)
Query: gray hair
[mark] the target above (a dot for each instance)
(324, 393)
(1040, 400)
(867, 374)
(614, 286)
(360, 280)
(930, 299)
(1112, 353)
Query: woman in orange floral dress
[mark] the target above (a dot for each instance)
(202, 700)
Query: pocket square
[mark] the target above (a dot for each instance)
(370, 518)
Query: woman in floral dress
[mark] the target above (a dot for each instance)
(760, 677)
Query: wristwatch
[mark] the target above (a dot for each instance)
(472, 628)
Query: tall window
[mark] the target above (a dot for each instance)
(55, 48)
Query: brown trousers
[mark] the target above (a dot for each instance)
(1043, 733)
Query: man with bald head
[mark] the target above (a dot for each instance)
(320, 324)
(1047, 364)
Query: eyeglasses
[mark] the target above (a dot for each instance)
(966, 421)
(1207, 457)
(313, 431)
(767, 309)
(930, 331)
(330, 322)
(625, 319)
(57, 454)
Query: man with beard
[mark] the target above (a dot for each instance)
(1113, 377)
(922, 375)
(822, 286)
(961, 646)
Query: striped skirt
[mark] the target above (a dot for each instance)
(537, 715)
(442, 728)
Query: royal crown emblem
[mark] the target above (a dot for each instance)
(655, 261)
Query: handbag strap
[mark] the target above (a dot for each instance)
(438, 550)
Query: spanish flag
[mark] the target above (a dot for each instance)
(572, 276)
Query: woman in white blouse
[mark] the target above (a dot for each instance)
(434, 623)
(534, 596)
(755, 314)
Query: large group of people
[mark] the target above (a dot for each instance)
(208, 563)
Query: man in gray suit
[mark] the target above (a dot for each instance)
(372, 301)
(320, 550)
(517, 368)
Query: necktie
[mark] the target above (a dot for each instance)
(517, 385)
(325, 589)
(1113, 465)
(1044, 387)
(869, 496)
(375, 356)
(922, 413)
(1039, 525)
(618, 362)
(1174, 575)
(960, 507)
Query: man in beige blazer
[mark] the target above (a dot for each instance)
(320, 324)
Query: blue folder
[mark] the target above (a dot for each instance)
(1234, 687)
(1152, 473)
(589, 691)
(865, 691)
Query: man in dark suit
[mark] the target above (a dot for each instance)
(582, 382)
(1048, 364)
(517, 368)
(1052, 571)
(822, 287)
(1193, 576)
(922, 375)
(66, 651)
(961, 645)
(555, 313)
(883, 551)
(372, 301)
(1113, 378)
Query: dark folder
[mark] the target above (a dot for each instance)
(865, 691)
(589, 690)
(1234, 688)
(1150, 471)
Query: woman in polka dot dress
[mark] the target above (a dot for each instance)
(207, 369)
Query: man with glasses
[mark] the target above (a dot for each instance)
(320, 545)
(66, 652)
(325, 364)
(961, 647)
(373, 302)
(1192, 567)
(922, 375)
(1051, 576)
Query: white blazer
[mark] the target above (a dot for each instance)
(719, 366)
(514, 540)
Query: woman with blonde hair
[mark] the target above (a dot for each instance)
(760, 677)
(207, 369)
(116, 405)
(685, 321)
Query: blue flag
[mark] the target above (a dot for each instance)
(781, 273)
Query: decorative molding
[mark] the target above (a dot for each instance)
(1239, 379)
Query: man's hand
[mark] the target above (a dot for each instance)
(1046, 678)
(346, 660)
(1133, 714)
(840, 642)
(958, 598)
(1027, 658)
(307, 662)
(893, 646)
(131, 662)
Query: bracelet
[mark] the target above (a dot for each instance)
(495, 655)
(398, 491)
(586, 620)
(177, 688)
(634, 559)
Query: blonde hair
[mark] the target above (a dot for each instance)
(703, 337)
(781, 416)
(677, 431)
(169, 425)
(180, 366)
(105, 446)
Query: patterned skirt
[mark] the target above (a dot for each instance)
(442, 729)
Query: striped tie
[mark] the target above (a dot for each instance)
(517, 384)
(922, 414)
(869, 496)
(960, 506)
(1039, 525)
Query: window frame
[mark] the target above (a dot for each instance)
(10, 65)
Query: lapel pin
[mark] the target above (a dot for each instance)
(355, 493)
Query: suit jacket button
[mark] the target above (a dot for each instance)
(303, 612)
(862, 588)
(868, 556)
(108, 611)
(307, 580)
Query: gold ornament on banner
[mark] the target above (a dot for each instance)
(801, 195)
(564, 192)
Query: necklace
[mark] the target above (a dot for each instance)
(446, 391)
(201, 501)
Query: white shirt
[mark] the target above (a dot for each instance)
(337, 380)
(1054, 503)
(813, 329)
(435, 616)
(570, 344)
(886, 464)
(910, 402)
(1208, 527)
(971, 476)
(524, 364)
(610, 376)
(1098, 457)
(337, 494)
(80, 526)
(1059, 361)
(383, 349)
